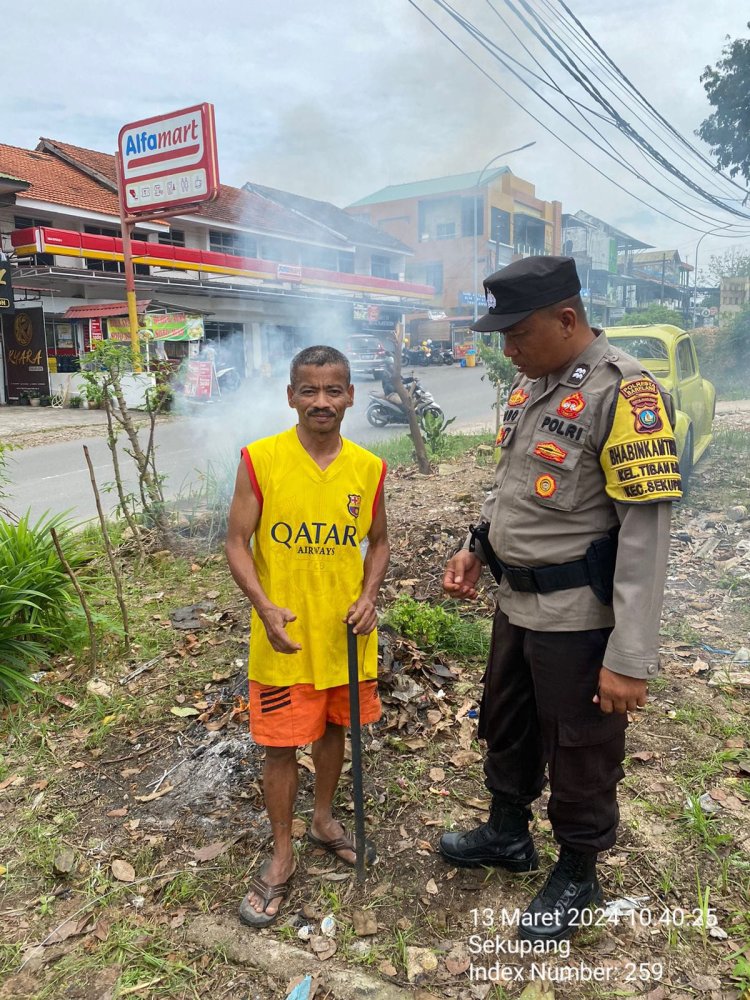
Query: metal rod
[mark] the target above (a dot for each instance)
(356, 741)
(130, 298)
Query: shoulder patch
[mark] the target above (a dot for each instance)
(639, 457)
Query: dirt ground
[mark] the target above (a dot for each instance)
(131, 813)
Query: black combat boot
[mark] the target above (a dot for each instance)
(555, 912)
(503, 841)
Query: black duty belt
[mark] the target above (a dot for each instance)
(546, 579)
(596, 569)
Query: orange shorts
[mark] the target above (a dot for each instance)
(297, 715)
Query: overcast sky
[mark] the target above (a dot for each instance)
(338, 98)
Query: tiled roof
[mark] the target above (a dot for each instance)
(245, 208)
(336, 219)
(234, 206)
(99, 163)
(95, 310)
(56, 182)
(424, 189)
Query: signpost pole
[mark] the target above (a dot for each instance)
(129, 271)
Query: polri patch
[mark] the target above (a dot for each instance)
(567, 429)
(551, 452)
(572, 406)
(518, 397)
(579, 375)
(545, 486)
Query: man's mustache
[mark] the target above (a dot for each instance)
(321, 413)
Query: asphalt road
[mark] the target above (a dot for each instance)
(54, 477)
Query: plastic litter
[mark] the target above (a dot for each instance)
(302, 990)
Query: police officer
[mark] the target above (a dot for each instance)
(577, 528)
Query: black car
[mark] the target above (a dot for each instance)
(367, 355)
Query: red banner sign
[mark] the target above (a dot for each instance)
(200, 380)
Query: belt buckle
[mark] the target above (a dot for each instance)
(524, 580)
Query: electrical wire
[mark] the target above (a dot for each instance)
(499, 55)
(620, 123)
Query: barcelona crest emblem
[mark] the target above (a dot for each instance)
(353, 504)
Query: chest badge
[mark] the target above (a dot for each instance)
(503, 436)
(545, 486)
(572, 406)
(579, 374)
(353, 505)
(518, 397)
(551, 452)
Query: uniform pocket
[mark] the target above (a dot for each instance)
(553, 483)
(591, 732)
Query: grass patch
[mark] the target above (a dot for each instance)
(400, 450)
(731, 443)
(147, 957)
(439, 629)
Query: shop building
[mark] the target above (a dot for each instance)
(461, 226)
(263, 277)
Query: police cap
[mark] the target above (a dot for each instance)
(516, 291)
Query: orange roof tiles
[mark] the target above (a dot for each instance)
(100, 163)
(234, 206)
(56, 182)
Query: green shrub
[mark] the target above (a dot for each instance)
(39, 610)
(437, 629)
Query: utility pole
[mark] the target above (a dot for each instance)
(663, 269)
(476, 214)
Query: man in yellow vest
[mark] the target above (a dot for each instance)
(310, 500)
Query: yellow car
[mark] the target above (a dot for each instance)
(669, 354)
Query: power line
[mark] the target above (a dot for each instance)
(502, 57)
(620, 123)
(499, 55)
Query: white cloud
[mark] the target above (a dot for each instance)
(335, 100)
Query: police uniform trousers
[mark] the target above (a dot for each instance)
(537, 712)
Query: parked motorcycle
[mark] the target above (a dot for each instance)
(382, 411)
(441, 356)
(414, 356)
(229, 379)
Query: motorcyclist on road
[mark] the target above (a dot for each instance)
(389, 388)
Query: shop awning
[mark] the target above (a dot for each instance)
(104, 309)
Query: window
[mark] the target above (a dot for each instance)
(470, 206)
(685, 361)
(379, 266)
(174, 238)
(346, 263)
(433, 275)
(445, 230)
(499, 226)
(237, 244)
(27, 222)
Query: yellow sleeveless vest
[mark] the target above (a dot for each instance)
(308, 555)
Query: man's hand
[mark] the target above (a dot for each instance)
(619, 693)
(363, 616)
(275, 621)
(461, 574)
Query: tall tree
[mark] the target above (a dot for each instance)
(733, 263)
(727, 130)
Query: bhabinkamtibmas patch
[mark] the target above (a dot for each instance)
(639, 457)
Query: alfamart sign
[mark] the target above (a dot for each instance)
(169, 160)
